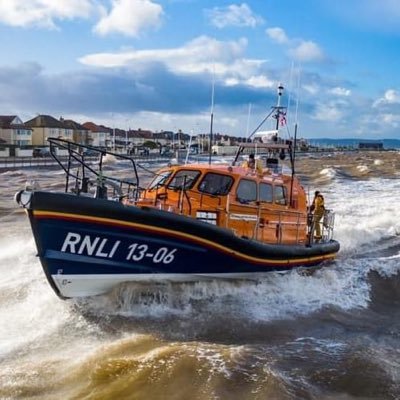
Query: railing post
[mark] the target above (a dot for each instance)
(227, 210)
(257, 221)
(297, 228)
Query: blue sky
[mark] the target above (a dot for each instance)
(150, 64)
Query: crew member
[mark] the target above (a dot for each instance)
(253, 164)
(318, 208)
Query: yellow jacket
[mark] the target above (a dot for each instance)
(318, 205)
(257, 167)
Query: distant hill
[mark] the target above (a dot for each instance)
(353, 142)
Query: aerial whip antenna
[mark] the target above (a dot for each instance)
(212, 118)
(248, 120)
(293, 152)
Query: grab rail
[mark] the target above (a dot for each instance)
(89, 173)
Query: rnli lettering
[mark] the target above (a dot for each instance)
(75, 244)
(102, 247)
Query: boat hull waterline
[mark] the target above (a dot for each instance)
(87, 247)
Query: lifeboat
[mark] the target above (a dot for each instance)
(191, 222)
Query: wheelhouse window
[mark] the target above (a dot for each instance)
(160, 180)
(280, 195)
(215, 184)
(266, 193)
(184, 179)
(246, 191)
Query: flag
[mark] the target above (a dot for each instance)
(282, 119)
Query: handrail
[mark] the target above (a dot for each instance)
(280, 226)
(76, 158)
(294, 220)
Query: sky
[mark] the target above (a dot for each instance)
(167, 64)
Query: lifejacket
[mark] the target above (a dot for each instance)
(318, 205)
(257, 166)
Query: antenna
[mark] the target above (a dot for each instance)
(248, 120)
(293, 153)
(289, 102)
(212, 117)
(297, 99)
(188, 150)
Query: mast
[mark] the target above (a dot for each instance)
(277, 110)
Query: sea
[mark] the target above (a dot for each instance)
(331, 333)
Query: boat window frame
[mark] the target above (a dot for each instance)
(284, 198)
(271, 201)
(219, 192)
(164, 177)
(187, 186)
(246, 201)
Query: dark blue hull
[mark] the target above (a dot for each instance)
(87, 246)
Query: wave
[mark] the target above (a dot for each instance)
(12, 173)
(276, 297)
(144, 367)
(363, 168)
(364, 213)
(330, 174)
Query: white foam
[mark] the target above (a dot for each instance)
(387, 266)
(362, 168)
(11, 173)
(297, 294)
(278, 296)
(328, 172)
(109, 159)
(365, 212)
(28, 305)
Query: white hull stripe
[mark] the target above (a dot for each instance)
(91, 285)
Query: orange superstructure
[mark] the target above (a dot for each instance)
(257, 204)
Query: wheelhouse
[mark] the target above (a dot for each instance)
(263, 206)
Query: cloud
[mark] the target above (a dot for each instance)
(43, 13)
(299, 49)
(278, 35)
(388, 109)
(391, 96)
(153, 89)
(129, 17)
(329, 112)
(307, 51)
(193, 56)
(391, 119)
(233, 15)
(153, 96)
(202, 55)
(126, 17)
(339, 91)
(311, 88)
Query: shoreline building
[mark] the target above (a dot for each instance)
(45, 126)
(14, 132)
